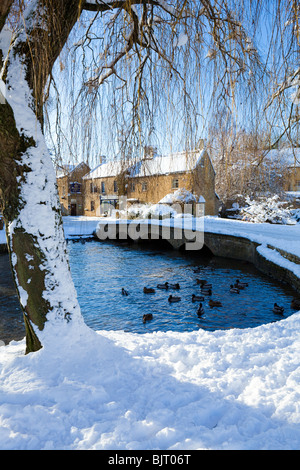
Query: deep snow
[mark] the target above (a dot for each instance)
(235, 389)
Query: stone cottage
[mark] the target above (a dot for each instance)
(149, 180)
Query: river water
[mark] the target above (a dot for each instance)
(101, 269)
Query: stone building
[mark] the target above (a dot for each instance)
(71, 188)
(149, 180)
(292, 157)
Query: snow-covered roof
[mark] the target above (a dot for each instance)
(173, 163)
(181, 195)
(288, 156)
(64, 170)
(68, 169)
(110, 168)
(160, 165)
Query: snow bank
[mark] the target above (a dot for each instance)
(284, 237)
(80, 226)
(236, 389)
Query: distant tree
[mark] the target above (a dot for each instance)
(243, 166)
(152, 65)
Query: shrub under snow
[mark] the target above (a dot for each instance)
(269, 210)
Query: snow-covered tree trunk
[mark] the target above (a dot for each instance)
(27, 179)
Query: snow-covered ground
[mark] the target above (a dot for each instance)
(235, 389)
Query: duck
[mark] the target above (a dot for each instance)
(238, 286)
(124, 292)
(163, 286)
(205, 285)
(214, 303)
(234, 290)
(197, 298)
(148, 290)
(147, 317)
(173, 298)
(206, 291)
(174, 286)
(241, 285)
(200, 310)
(278, 309)
(295, 304)
(201, 281)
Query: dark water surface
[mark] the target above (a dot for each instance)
(11, 317)
(101, 269)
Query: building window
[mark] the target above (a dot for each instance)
(92, 206)
(144, 186)
(75, 188)
(175, 183)
(102, 187)
(115, 187)
(93, 188)
(132, 187)
(298, 185)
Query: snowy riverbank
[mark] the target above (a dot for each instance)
(235, 389)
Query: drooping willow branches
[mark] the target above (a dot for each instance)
(145, 72)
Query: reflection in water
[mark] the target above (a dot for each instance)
(101, 269)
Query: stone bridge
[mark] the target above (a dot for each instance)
(191, 236)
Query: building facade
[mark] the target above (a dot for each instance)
(149, 180)
(71, 188)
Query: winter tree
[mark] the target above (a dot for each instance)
(141, 65)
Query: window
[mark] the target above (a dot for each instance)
(298, 185)
(75, 188)
(175, 183)
(92, 205)
(102, 187)
(144, 186)
(93, 188)
(115, 186)
(132, 187)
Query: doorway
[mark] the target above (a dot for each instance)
(73, 209)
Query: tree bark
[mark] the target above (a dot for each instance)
(29, 197)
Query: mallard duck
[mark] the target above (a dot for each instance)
(278, 309)
(241, 285)
(172, 298)
(206, 286)
(234, 290)
(124, 292)
(147, 317)
(206, 291)
(163, 286)
(201, 281)
(238, 286)
(174, 286)
(214, 303)
(197, 298)
(148, 290)
(200, 310)
(295, 304)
